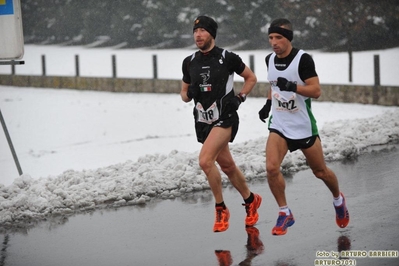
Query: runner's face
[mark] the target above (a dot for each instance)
(203, 39)
(280, 45)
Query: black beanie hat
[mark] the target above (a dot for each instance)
(207, 23)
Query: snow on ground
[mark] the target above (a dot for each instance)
(81, 150)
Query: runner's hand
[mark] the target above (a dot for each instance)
(230, 107)
(286, 85)
(233, 103)
(264, 112)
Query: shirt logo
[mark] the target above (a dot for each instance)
(204, 87)
(205, 76)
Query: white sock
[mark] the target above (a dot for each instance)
(285, 209)
(338, 201)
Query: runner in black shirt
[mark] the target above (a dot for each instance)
(208, 80)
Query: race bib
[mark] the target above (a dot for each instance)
(207, 116)
(284, 104)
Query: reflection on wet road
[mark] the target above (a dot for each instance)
(179, 232)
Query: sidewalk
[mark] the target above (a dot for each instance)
(179, 232)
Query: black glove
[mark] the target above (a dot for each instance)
(264, 112)
(233, 103)
(231, 106)
(192, 92)
(286, 85)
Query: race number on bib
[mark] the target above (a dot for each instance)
(207, 116)
(284, 104)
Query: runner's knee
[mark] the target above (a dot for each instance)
(205, 164)
(272, 169)
(321, 173)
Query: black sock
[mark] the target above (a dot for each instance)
(220, 205)
(250, 199)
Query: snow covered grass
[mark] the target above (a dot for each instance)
(82, 150)
(86, 150)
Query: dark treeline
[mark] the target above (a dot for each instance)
(332, 25)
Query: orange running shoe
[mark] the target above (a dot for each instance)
(224, 257)
(221, 219)
(283, 222)
(252, 210)
(342, 213)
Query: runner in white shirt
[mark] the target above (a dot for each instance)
(294, 82)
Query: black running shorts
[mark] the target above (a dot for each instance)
(202, 129)
(296, 144)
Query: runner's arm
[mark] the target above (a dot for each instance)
(183, 92)
(311, 88)
(249, 80)
(307, 72)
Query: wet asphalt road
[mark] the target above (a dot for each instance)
(179, 232)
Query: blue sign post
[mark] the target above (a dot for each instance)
(11, 48)
(11, 36)
(6, 7)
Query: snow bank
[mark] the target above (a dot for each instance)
(170, 176)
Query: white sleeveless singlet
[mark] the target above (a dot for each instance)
(291, 112)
